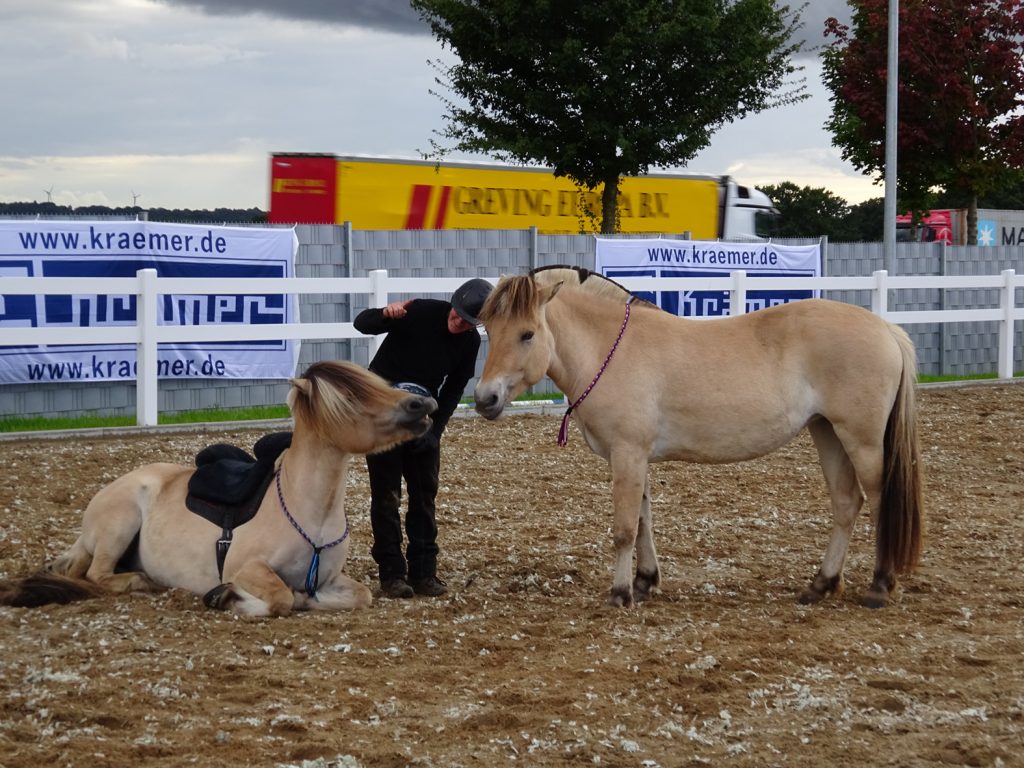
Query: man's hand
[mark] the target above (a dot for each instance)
(396, 309)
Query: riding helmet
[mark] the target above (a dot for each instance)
(469, 299)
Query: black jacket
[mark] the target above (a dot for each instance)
(419, 348)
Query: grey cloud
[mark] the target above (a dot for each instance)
(399, 17)
(385, 15)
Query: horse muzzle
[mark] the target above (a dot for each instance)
(415, 412)
(490, 400)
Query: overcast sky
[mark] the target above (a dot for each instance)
(179, 103)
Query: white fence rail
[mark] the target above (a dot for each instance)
(148, 333)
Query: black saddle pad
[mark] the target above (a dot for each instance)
(229, 480)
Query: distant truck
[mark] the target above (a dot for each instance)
(949, 225)
(384, 193)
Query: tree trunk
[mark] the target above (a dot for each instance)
(609, 206)
(972, 221)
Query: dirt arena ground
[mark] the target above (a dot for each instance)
(522, 663)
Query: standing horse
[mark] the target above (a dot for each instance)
(645, 385)
(138, 534)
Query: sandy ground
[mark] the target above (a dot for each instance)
(523, 663)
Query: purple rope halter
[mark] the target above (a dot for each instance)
(563, 432)
(313, 574)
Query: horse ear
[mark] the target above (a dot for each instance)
(548, 292)
(297, 385)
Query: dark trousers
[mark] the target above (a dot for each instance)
(419, 469)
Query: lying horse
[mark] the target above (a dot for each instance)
(644, 385)
(139, 535)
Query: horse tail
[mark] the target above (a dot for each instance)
(900, 531)
(45, 588)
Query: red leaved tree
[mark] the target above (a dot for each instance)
(961, 95)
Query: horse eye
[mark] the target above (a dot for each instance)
(527, 335)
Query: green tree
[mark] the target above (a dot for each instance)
(600, 89)
(1008, 195)
(808, 212)
(865, 221)
(961, 94)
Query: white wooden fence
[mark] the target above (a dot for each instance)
(148, 333)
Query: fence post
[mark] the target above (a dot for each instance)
(1007, 300)
(349, 246)
(738, 293)
(379, 284)
(146, 391)
(944, 330)
(880, 293)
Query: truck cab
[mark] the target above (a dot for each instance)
(747, 213)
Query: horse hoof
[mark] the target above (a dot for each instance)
(220, 597)
(881, 588)
(821, 587)
(644, 583)
(875, 600)
(620, 597)
(810, 596)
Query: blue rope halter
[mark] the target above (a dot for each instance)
(313, 574)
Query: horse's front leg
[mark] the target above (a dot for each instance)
(253, 590)
(340, 593)
(629, 480)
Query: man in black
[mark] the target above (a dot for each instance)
(430, 344)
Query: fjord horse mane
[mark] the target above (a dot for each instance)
(332, 395)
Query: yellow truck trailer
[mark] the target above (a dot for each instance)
(386, 193)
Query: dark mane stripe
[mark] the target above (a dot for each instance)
(517, 295)
(587, 280)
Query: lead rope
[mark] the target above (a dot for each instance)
(313, 574)
(563, 432)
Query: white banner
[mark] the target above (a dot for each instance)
(119, 249)
(699, 258)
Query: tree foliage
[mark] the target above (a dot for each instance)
(808, 212)
(600, 89)
(865, 221)
(817, 212)
(960, 94)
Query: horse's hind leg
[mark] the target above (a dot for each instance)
(869, 461)
(74, 563)
(847, 499)
(109, 526)
(80, 562)
(648, 574)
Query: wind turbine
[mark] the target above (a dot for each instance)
(49, 194)
(135, 198)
